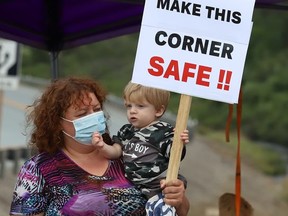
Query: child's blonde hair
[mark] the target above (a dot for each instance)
(227, 206)
(137, 93)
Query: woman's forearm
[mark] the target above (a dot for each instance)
(183, 209)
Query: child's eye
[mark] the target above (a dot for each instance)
(128, 105)
(140, 105)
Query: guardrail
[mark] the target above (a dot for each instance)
(15, 154)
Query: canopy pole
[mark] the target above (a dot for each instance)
(54, 65)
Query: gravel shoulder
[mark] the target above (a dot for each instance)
(210, 171)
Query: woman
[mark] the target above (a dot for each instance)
(68, 175)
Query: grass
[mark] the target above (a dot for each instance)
(284, 193)
(267, 160)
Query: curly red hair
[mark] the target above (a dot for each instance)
(45, 117)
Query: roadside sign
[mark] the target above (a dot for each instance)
(9, 64)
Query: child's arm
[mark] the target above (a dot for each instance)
(109, 151)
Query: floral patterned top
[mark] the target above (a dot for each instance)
(54, 184)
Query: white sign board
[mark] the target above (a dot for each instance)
(196, 48)
(9, 55)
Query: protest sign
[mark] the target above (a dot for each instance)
(197, 48)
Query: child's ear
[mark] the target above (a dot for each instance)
(160, 112)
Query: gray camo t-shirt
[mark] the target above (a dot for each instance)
(146, 154)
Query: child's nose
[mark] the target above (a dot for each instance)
(133, 109)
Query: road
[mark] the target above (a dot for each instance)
(12, 123)
(208, 167)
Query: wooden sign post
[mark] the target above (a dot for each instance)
(177, 146)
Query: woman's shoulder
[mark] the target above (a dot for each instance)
(44, 158)
(42, 161)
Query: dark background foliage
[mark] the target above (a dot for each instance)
(264, 84)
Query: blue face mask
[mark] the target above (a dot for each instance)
(86, 126)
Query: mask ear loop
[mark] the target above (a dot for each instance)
(66, 132)
(66, 119)
(238, 157)
(74, 138)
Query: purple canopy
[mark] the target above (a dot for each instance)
(56, 25)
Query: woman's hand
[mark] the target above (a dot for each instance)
(174, 195)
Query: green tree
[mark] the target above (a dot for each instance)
(264, 82)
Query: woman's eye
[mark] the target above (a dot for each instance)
(80, 115)
(97, 109)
